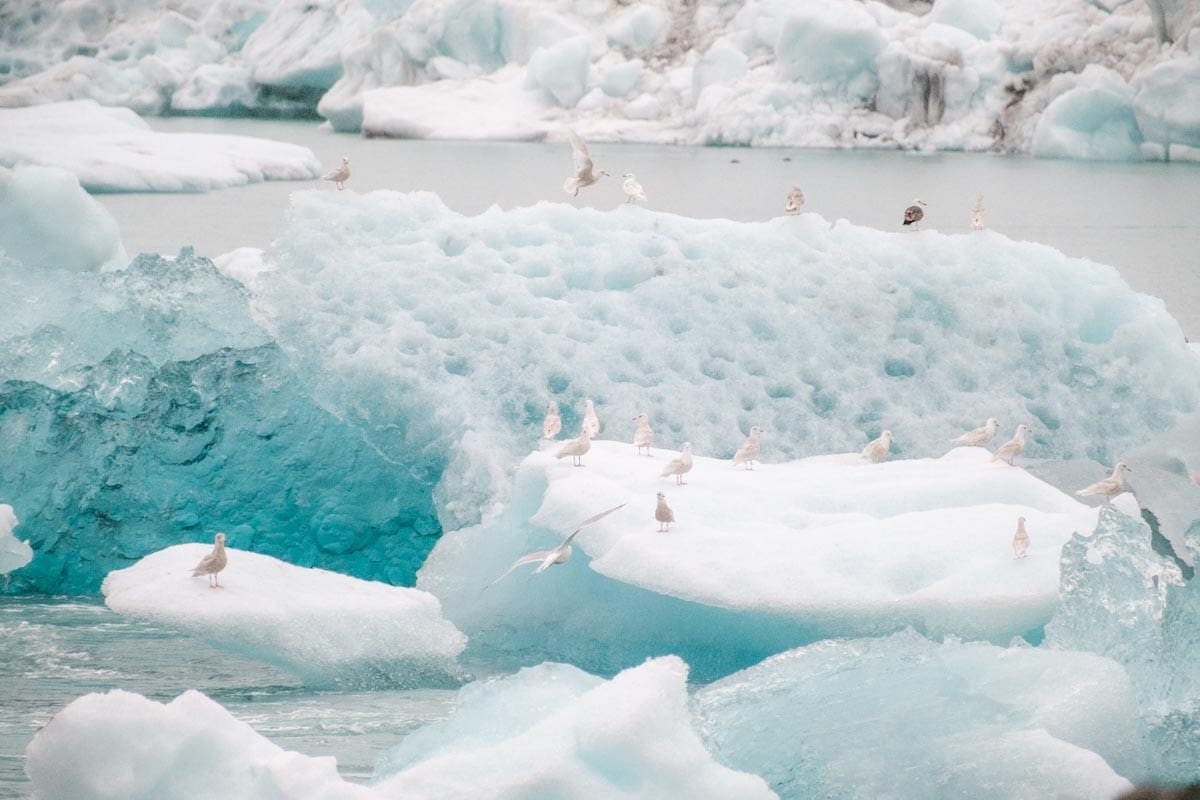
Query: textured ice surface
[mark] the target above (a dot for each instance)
(1093, 120)
(966, 74)
(326, 628)
(902, 717)
(824, 546)
(114, 150)
(548, 732)
(140, 407)
(14, 553)
(824, 335)
(47, 220)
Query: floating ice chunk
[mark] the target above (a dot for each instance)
(14, 553)
(828, 40)
(112, 149)
(326, 628)
(1167, 102)
(980, 18)
(1094, 120)
(47, 221)
(495, 107)
(905, 718)
(826, 546)
(561, 70)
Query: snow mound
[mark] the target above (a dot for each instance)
(905, 718)
(824, 335)
(48, 221)
(14, 553)
(548, 732)
(114, 150)
(326, 628)
(825, 546)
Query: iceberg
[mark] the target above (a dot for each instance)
(906, 718)
(14, 553)
(552, 731)
(787, 553)
(1094, 120)
(114, 150)
(329, 630)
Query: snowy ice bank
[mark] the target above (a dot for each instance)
(783, 555)
(14, 553)
(326, 628)
(114, 150)
(552, 731)
(48, 221)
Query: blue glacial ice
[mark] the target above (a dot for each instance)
(960, 720)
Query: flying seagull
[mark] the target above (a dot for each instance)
(584, 176)
(559, 555)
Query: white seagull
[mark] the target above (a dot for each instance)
(978, 437)
(795, 201)
(1113, 485)
(213, 563)
(584, 176)
(1013, 447)
(633, 189)
(558, 555)
(576, 448)
(977, 215)
(877, 449)
(643, 436)
(915, 213)
(591, 423)
(339, 175)
(748, 453)
(552, 424)
(680, 465)
(1020, 539)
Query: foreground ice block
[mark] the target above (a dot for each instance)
(14, 553)
(326, 628)
(549, 732)
(114, 150)
(778, 556)
(908, 719)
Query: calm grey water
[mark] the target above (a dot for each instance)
(1143, 219)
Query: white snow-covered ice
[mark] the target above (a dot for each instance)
(114, 150)
(326, 628)
(14, 553)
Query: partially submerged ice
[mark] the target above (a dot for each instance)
(906, 718)
(327, 629)
(756, 561)
(552, 731)
(14, 553)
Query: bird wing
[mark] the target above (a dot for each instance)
(204, 564)
(589, 521)
(529, 558)
(579, 153)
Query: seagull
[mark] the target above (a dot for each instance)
(748, 452)
(1020, 539)
(1013, 447)
(583, 166)
(591, 423)
(340, 175)
(795, 200)
(914, 213)
(643, 436)
(877, 449)
(664, 514)
(978, 437)
(633, 189)
(977, 215)
(1114, 484)
(212, 564)
(576, 448)
(680, 465)
(552, 424)
(558, 555)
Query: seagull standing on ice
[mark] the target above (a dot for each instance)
(339, 175)
(795, 201)
(633, 189)
(915, 213)
(748, 453)
(1013, 447)
(877, 449)
(552, 424)
(591, 423)
(584, 176)
(1114, 484)
(664, 514)
(680, 465)
(977, 215)
(1020, 539)
(212, 564)
(576, 448)
(978, 437)
(558, 555)
(643, 436)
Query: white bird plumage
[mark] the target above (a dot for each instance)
(1020, 542)
(877, 449)
(591, 423)
(748, 453)
(663, 514)
(585, 172)
(1013, 447)
(576, 448)
(795, 201)
(552, 424)
(213, 563)
(559, 555)
(680, 465)
(633, 189)
(979, 436)
(977, 215)
(643, 436)
(1113, 485)
(339, 175)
